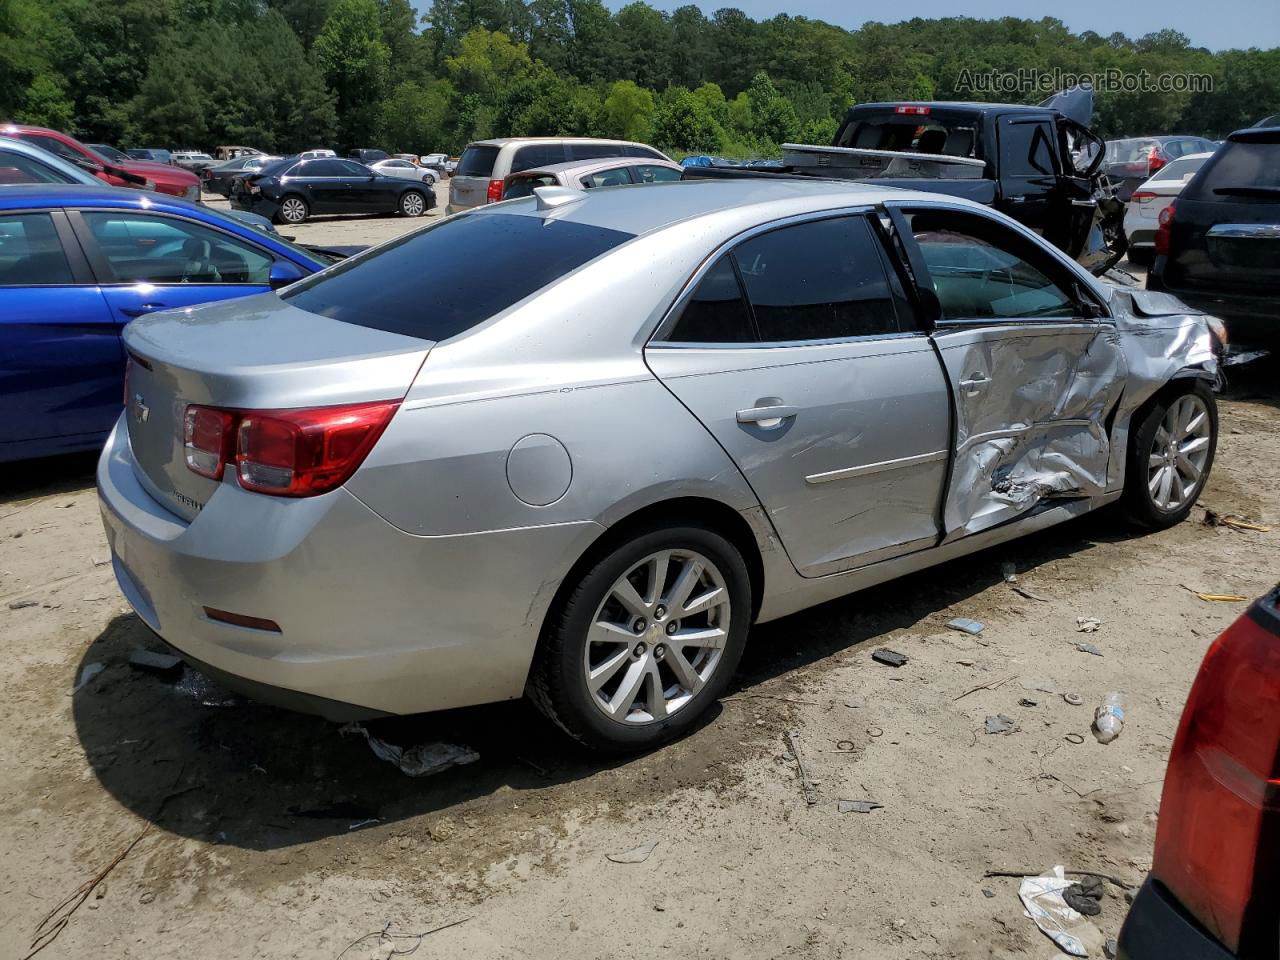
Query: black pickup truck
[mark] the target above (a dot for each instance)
(1040, 165)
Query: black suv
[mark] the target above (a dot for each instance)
(1218, 244)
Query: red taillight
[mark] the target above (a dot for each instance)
(1163, 229)
(1154, 160)
(1218, 840)
(1142, 196)
(912, 110)
(495, 191)
(289, 453)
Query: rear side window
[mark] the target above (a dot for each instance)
(816, 281)
(536, 155)
(595, 151)
(635, 150)
(30, 252)
(524, 186)
(477, 161)
(651, 173)
(481, 264)
(717, 312)
(1243, 172)
(607, 178)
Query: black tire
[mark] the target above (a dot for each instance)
(413, 203)
(293, 202)
(557, 682)
(1140, 507)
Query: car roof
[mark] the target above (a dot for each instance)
(953, 105)
(505, 141)
(590, 166)
(21, 195)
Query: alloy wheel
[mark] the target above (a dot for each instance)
(293, 210)
(1179, 451)
(657, 637)
(412, 204)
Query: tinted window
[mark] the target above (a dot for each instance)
(595, 151)
(717, 311)
(285, 166)
(537, 155)
(56, 147)
(477, 161)
(635, 150)
(322, 168)
(981, 271)
(1245, 172)
(30, 252)
(1025, 150)
(524, 186)
(347, 168)
(607, 178)
(817, 281)
(648, 173)
(15, 168)
(480, 265)
(146, 249)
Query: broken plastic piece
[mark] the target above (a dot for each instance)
(999, 724)
(858, 806)
(1042, 897)
(90, 671)
(635, 855)
(1088, 624)
(418, 761)
(889, 657)
(964, 625)
(161, 664)
(1089, 648)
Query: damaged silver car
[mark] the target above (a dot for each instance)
(614, 430)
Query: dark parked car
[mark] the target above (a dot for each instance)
(218, 178)
(1215, 875)
(1218, 245)
(110, 152)
(367, 155)
(151, 153)
(292, 190)
(1130, 163)
(79, 262)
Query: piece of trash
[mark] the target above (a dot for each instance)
(1042, 898)
(964, 663)
(1037, 686)
(964, 625)
(889, 657)
(1232, 521)
(1236, 357)
(992, 685)
(1009, 572)
(363, 823)
(874, 732)
(90, 671)
(161, 664)
(1029, 594)
(1073, 698)
(989, 894)
(23, 604)
(1108, 719)
(419, 761)
(806, 785)
(1028, 702)
(858, 806)
(342, 810)
(1217, 597)
(101, 561)
(1075, 738)
(1089, 648)
(999, 724)
(1110, 949)
(1085, 896)
(635, 855)
(1088, 624)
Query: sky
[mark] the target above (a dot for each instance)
(1218, 25)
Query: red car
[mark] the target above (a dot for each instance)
(155, 176)
(1215, 876)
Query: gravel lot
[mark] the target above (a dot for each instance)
(272, 835)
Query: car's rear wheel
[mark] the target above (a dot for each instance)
(413, 204)
(1171, 451)
(293, 210)
(645, 640)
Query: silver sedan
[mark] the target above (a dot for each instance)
(405, 170)
(612, 430)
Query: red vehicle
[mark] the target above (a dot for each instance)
(142, 174)
(1215, 875)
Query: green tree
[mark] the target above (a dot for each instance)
(355, 60)
(684, 122)
(629, 111)
(414, 118)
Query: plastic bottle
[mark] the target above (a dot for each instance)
(1108, 719)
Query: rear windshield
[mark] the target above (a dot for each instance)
(954, 137)
(480, 264)
(1179, 169)
(476, 162)
(1240, 171)
(524, 186)
(1129, 151)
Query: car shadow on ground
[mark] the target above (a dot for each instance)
(214, 767)
(47, 477)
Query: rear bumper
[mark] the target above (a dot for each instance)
(1245, 316)
(254, 203)
(1158, 929)
(372, 619)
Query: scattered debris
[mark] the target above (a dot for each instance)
(989, 894)
(1088, 624)
(1073, 698)
(1108, 719)
(1075, 738)
(874, 732)
(635, 855)
(90, 671)
(1113, 880)
(1028, 702)
(388, 943)
(1110, 949)
(1085, 896)
(101, 561)
(806, 785)
(1233, 522)
(1217, 597)
(419, 761)
(1089, 648)
(161, 664)
(889, 657)
(986, 686)
(1238, 357)
(1029, 594)
(769, 696)
(964, 663)
(999, 724)
(1009, 572)
(858, 806)
(1042, 897)
(964, 625)
(23, 604)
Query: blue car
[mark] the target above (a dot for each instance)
(77, 263)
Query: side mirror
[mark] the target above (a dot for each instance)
(284, 273)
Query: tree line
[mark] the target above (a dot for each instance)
(286, 75)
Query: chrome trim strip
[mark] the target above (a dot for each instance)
(1246, 231)
(867, 469)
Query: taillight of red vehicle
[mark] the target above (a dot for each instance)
(1163, 230)
(286, 453)
(1218, 841)
(495, 191)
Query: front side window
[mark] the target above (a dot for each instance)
(1025, 149)
(607, 178)
(160, 250)
(347, 168)
(982, 271)
(54, 146)
(30, 252)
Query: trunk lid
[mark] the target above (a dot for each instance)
(257, 353)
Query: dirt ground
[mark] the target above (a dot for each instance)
(250, 832)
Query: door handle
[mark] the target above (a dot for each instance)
(139, 311)
(767, 417)
(975, 384)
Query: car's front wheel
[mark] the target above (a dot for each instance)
(645, 639)
(413, 204)
(1171, 448)
(293, 210)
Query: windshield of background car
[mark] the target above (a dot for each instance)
(477, 161)
(954, 137)
(1248, 172)
(481, 264)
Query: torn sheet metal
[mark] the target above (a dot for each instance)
(1070, 930)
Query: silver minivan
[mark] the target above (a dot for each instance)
(486, 164)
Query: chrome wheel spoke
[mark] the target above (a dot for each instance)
(1194, 445)
(704, 602)
(1166, 482)
(658, 567)
(684, 672)
(632, 683)
(683, 586)
(657, 696)
(1155, 461)
(710, 638)
(1188, 469)
(625, 593)
(607, 670)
